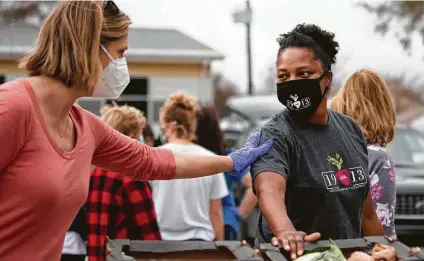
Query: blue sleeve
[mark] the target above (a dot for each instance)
(238, 177)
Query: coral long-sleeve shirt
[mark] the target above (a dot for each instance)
(42, 187)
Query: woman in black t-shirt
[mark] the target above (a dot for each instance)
(314, 181)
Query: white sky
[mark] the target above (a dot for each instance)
(210, 21)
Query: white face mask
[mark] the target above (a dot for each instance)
(114, 79)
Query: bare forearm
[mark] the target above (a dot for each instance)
(248, 202)
(217, 221)
(372, 227)
(274, 210)
(194, 166)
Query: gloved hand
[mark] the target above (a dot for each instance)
(249, 152)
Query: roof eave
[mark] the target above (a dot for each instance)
(134, 54)
(167, 54)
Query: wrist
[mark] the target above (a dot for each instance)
(229, 163)
(285, 231)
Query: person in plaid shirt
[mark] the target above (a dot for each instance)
(119, 207)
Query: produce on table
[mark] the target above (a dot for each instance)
(332, 253)
(360, 256)
(383, 252)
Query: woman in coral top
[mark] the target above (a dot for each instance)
(48, 144)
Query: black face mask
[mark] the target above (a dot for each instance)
(302, 97)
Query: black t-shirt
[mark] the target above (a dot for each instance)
(325, 167)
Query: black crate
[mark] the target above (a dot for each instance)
(234, 250)
(180, 250)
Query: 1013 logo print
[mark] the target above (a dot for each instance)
(343, 178)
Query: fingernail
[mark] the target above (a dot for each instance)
(293, 256)
(299, 253)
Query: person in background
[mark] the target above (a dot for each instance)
(148, 136)
(314, 181)
(209, 136)
(49, 144)
(366, 98)
(74, 248)
(117, 206)
(187, 209)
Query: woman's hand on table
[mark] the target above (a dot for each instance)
(293, 241)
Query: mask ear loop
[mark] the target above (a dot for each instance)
(107, 53)
(327, 88)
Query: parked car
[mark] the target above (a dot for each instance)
(407, 150)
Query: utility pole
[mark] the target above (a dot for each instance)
(245, 17)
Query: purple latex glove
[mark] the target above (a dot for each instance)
(244, 157)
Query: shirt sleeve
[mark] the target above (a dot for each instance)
(121, 154)
(139, 198)
(383, 187)
(277, 158)
(15, 114)
(99, 202)
(219, 187)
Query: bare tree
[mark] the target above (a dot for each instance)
(223, 89)
(26, 11)
(391, 14)
(268, 84)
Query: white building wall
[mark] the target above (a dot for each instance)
(159, 89)
(200, 87)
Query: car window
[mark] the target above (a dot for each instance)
(407, 147)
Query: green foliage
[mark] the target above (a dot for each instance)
(332, 253)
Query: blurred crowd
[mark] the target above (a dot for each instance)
(120, 207)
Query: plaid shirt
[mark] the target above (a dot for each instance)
(118, 207)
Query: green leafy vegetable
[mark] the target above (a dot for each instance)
(332, 253)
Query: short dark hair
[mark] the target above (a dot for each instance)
(147, 131)
(208, 132)
(311, 36)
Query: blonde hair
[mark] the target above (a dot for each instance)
(68, 44)
(181, 110)
(126, 119)
(366, 98)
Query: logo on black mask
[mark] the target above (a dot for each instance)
(295, 104)
(302, 97)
